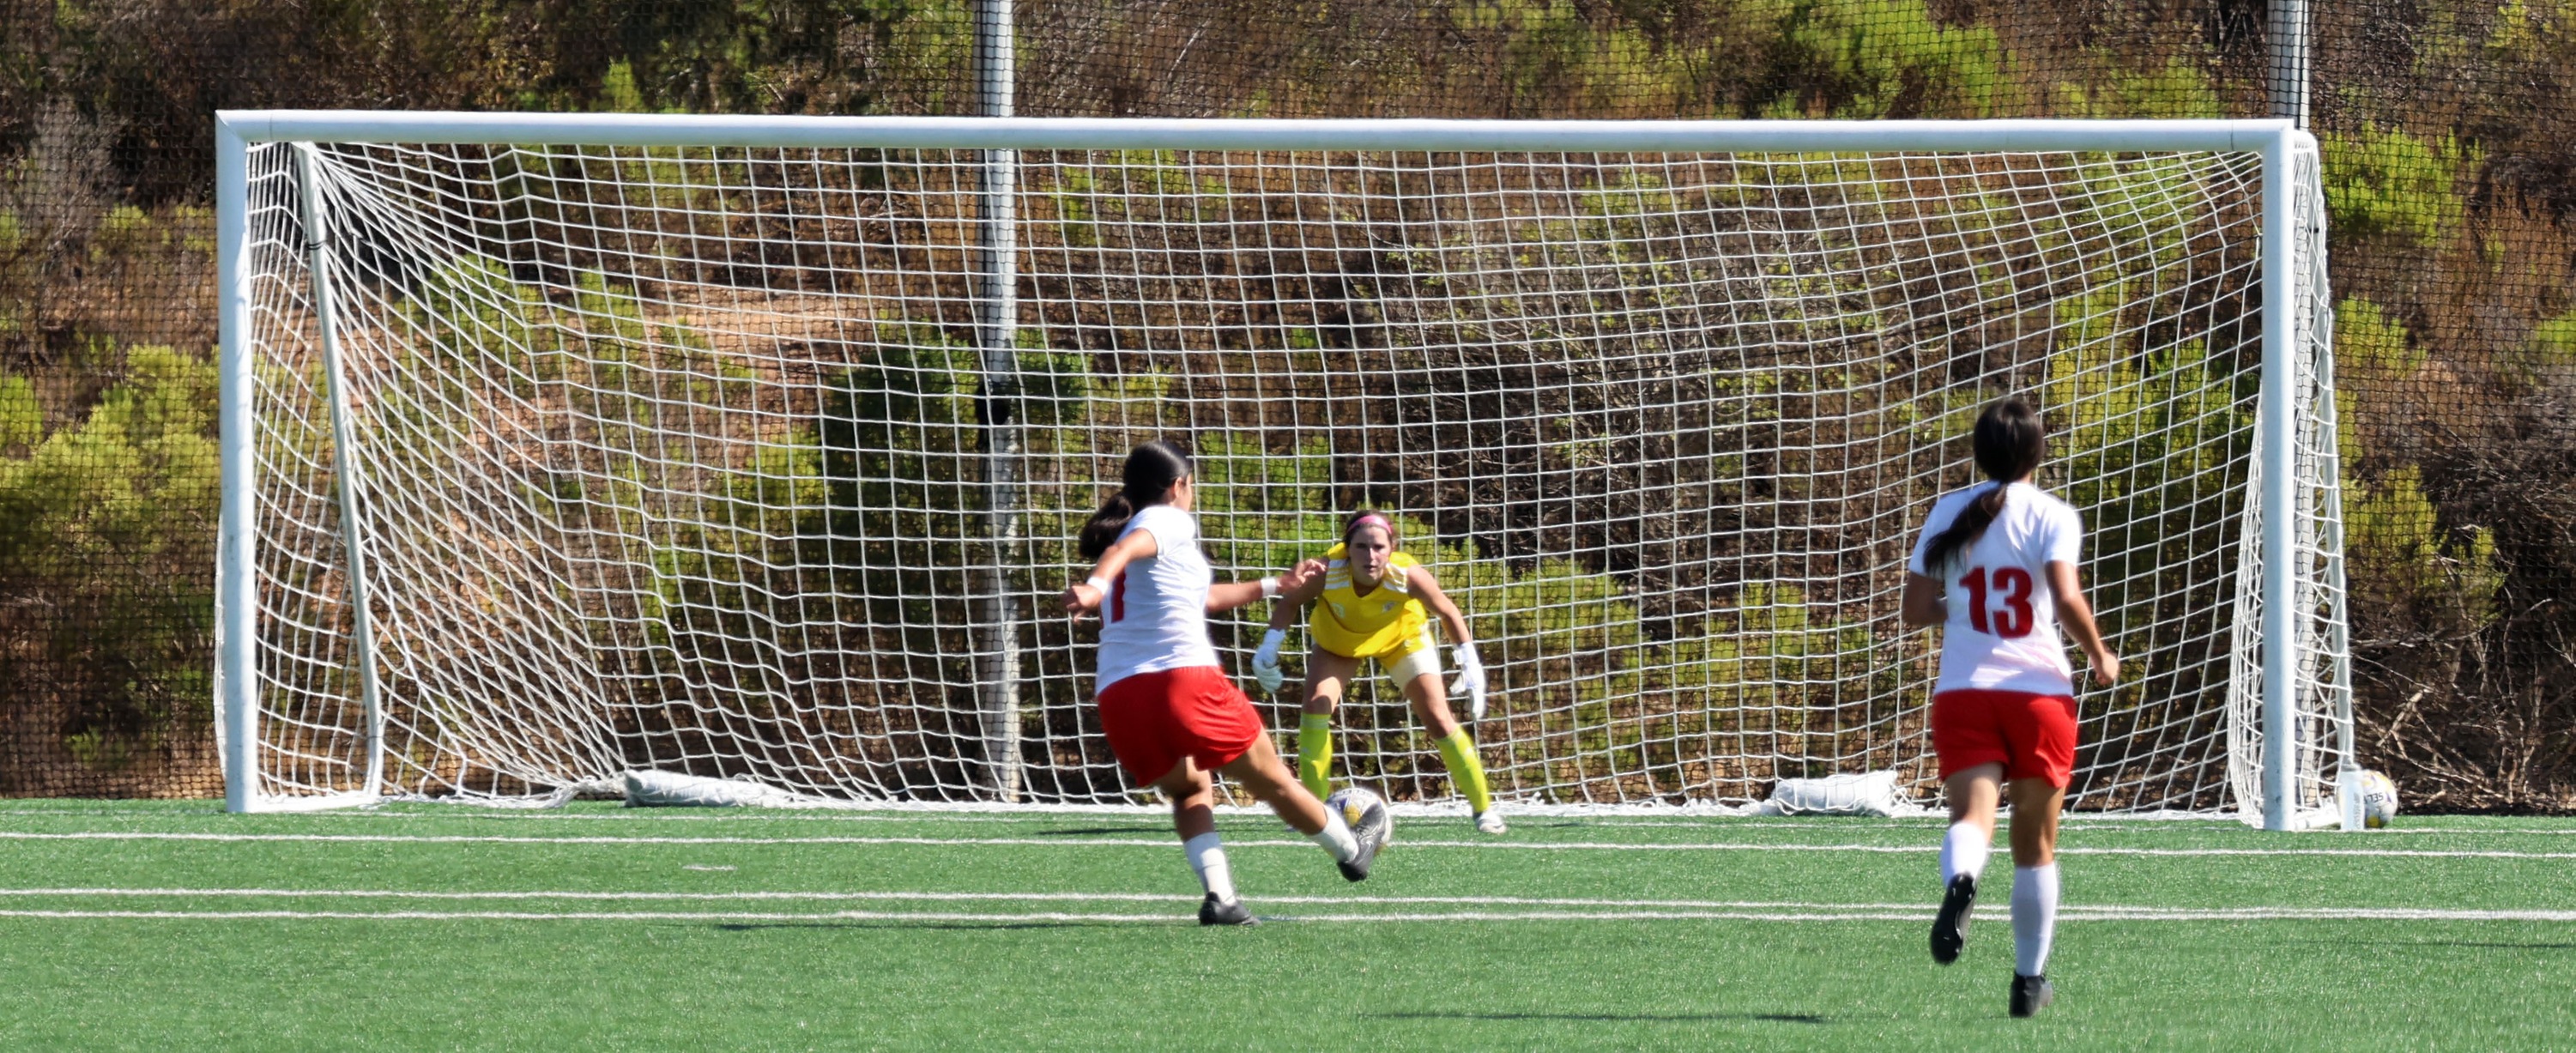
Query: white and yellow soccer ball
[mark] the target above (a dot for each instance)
(1365, 811)
(2378, 800)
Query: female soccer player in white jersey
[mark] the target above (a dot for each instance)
(1375, 602)
(1996, 568)
(1170, 714)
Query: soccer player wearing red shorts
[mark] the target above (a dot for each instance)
(1995, 568)
(1169, 711)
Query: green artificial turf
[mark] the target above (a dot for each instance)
(700, 960)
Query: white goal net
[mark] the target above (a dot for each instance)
(559, 449)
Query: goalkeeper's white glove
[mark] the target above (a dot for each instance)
(1471, 681)
(1265, 662)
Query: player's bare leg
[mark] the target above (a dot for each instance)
(1973, 795)
(1192, 793)
(2034, 895)
(1457, 750)
(1263, 775)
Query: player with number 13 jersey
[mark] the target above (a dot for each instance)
(1996, 567)
(2001, 634)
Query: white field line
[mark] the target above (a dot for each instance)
(1178, 917)
(942, 897)
(1166, 843)
(1616, 907)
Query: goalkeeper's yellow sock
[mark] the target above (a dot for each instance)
(1315, 753)
(1467, 770)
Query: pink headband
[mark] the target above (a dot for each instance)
(1366, 520)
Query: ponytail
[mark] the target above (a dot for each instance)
(2010, 440)
(1104, 526)
(1152, 470)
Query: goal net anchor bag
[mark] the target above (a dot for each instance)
(647, 788)
(1851, 793)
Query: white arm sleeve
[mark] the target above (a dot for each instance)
(1171, 527)
(1932, 524)
(2064, 542)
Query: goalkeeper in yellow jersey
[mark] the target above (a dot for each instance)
(1375, 602)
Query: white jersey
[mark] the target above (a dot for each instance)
(2002, 630)
(1155, 615)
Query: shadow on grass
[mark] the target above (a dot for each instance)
(1676, 1018)
(1088, 831)
(950, 926)
(2514, 945)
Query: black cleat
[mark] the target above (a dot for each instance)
(1357, 869)
(1371, 833)
(2030, 994)
(1212, 912)
(1950, 927)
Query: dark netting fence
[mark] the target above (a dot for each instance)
(2448, 130)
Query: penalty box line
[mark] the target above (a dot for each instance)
(1167, 843)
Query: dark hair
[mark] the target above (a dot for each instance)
(2010, 440)
(1151, 470)
(1352, 524)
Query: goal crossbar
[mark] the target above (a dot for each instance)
(1102, 133)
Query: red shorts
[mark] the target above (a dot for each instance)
(2032, 736)
(1155, 719)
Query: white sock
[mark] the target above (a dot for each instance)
(1207, 856)
(2034, 917)
(1964, 852)
(1336, 837)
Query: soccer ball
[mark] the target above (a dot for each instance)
(2378, 800)
(1365, 812)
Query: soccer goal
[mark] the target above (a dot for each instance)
(563, 451)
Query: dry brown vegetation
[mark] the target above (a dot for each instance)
(2447, 127)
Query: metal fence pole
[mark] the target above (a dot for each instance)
(2288, 32)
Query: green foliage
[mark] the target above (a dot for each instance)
(2384, 183)
(1878, 58)
(2144, 439)
(760, 56)
(2147, 211)
(2377, 347)
(466, 317)
(617, 90)
(119, 229)
(1052, 387)
(132, 485)
(2554, 341)
(2372, 353)
(22, 420)
(1553, 52)
(1131, 186)
(2393, 529)
(1265, 509)
(2179, 87)
(1769, 58)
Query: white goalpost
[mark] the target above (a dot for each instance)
(564, 453)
